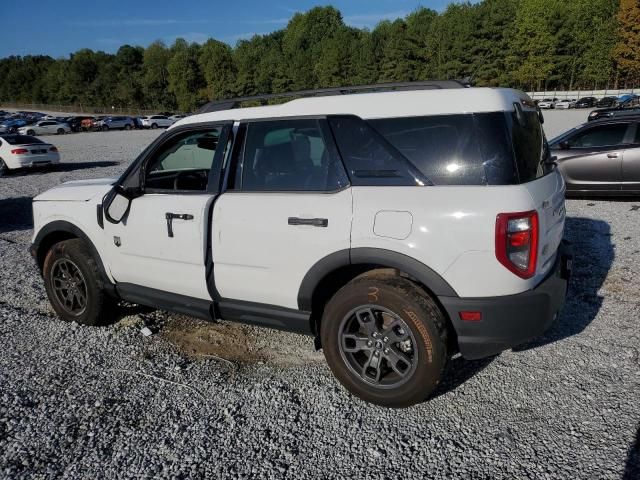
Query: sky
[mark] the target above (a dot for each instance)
(60, 27)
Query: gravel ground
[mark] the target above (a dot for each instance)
(199, 400)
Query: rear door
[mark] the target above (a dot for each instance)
(593, 158)
(631, 162)
(287, 206)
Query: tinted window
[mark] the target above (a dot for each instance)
(183, 163)
(369, 158)
(637, 140)
(290, 155)
(600, 136)
(529, 145)
(454, 149)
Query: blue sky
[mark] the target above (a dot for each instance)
(60, 27)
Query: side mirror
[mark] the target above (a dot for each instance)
(116, 204)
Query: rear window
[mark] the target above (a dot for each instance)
(20, 139)
(469, 149)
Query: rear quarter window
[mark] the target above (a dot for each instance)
(464, 149)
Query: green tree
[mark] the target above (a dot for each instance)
(185, 79)
(216, 63)
(627, 50)
(155, 76)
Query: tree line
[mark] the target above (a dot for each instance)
(527, 44)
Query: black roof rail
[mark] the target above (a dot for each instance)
(228, 104)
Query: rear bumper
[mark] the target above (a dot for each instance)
(510, 320)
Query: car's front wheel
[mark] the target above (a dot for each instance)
(31, 132)
(74, 287)
(385, 340)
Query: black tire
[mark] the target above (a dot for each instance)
(99, 308)
(60, 131)
(105, 128)
(399, 302)
(3, 168)
(127, 127)
(154, 125)
(31, 132)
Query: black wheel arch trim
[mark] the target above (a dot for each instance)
(370, 256)
(40, 246)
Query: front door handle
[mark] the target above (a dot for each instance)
(314, 222)
(612, 155)
(180, 216)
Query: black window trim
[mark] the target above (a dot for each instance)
(627, 138)
(137, 169)
(236, 163)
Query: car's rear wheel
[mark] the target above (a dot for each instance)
(105, 128)
(385, 340)
(154, 125)
(74, 287)
(3, 168)
(60, 131)
(31, 132)
(127, 127)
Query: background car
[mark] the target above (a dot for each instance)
(601, 157)
(607, 102)
(87, 124)
(627, 108)
(114, 123)
(547, 103)
(12, 125)
(45, 127)
(156, 121)
(175, 118)
(565, 104)
(586, 102)
(20, 151)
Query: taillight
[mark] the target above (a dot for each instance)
(19, 151)
(53, 149)
(517, 242)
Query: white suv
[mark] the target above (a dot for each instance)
(157, 121)
(396, 227)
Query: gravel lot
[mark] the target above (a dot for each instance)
(199, 400)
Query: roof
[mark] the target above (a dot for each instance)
(378, 105)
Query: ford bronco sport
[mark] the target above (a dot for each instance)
(397, 224)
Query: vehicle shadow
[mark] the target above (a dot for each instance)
(632, 467)
(593, 255)
(459, 371)
(60, 167)
(15, 214)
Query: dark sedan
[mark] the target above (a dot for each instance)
(607, 102)
(628, 107)
(586, 102)
(601, 157)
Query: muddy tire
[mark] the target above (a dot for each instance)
(385, 340)
(74, 286)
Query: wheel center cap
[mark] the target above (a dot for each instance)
(379, 345)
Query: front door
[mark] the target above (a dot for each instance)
(288, 207)
(594, 158)
(161, 243)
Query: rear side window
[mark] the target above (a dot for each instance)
(529, 145)
(469, 149)
(599, 136)
(290, 155)
(21, 139)
(369, 158)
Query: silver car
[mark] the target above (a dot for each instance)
(45, 127)
(600, 157)
(115, 123)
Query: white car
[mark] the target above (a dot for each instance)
(20, 151)
(547, 104)
(395, 227)
(157, 121)
(565, 104)
(45, 127)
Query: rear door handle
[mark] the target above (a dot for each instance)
(180, 216)
(314, 222)
(612, 155)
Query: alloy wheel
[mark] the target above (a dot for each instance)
(69, 286)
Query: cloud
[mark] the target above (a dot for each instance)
(372, 19)
(141, 22)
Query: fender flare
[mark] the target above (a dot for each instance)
(40, 245)
(370, 256)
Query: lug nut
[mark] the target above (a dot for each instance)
(369, 343)
(385, 339)
(386, 351)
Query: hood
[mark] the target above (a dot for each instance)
(77, 190)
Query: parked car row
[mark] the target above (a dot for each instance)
(37, 123)
(585, 102)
